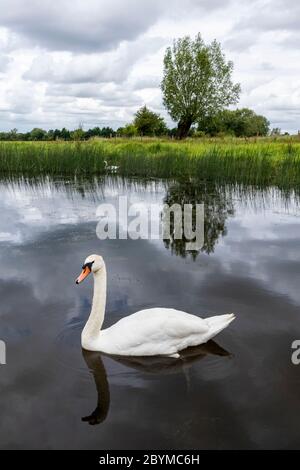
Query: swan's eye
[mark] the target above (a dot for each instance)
(88, 265)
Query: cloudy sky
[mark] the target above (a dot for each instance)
(95, 62)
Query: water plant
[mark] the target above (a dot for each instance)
(256, 162)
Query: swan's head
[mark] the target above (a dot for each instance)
(92, 264)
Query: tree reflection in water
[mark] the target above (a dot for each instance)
(218, 206)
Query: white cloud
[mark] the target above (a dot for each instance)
(77, 25)
(97, 62)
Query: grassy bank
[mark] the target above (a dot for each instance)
(257, 162)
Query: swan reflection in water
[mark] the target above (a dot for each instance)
(95, 364)
(151, 364)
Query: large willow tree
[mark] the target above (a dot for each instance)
(197, 82)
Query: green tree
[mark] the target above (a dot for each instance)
(196, 82)
(64, 134)
(107, 132)
(128, 131)
(78, 134)
(240, 123)
(13, 134)
(149, 123)
(276, 131)
(50, 134)
(38, 134)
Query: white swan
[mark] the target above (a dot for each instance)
(151, 332)
(110, 168)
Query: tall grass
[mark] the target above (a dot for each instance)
(244, 162)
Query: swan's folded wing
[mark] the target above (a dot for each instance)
(157, 331)
(183, 324)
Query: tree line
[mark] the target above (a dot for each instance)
(239, 123)
(58, 134)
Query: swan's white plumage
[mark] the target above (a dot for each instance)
(156, 331)
(110, 168)
(150, 332)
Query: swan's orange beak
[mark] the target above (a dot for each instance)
(85, 272)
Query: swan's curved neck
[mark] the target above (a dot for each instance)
(95, 321)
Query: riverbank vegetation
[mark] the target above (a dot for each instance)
(262, 161)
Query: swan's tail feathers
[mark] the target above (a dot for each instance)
(218, 323)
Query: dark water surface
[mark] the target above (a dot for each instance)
(241, 392)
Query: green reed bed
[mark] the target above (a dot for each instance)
(235, 161)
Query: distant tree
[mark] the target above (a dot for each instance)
(13, 134)
(240, 122)
(172, 132)
(94, 132)
(50, 134)
(257, 125)
(77, 134)
(4, 136)
(56, 134)
(64, 134)
(149, 123)
(98, 132)
(197, 82)
(107, 132)
(38, 134)
(276, 131)
(129, 130)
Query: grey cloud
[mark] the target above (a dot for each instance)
(88, 68)
(272, 15)
(240, 41)
(91, 25)
(197, 7)
(292, 40)
(80, 69)
(108, 95)
(147, 82)
(4, 62)
(279, 17)
(78, 90)
(266, 66)
(122, 94)
(19, 102)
